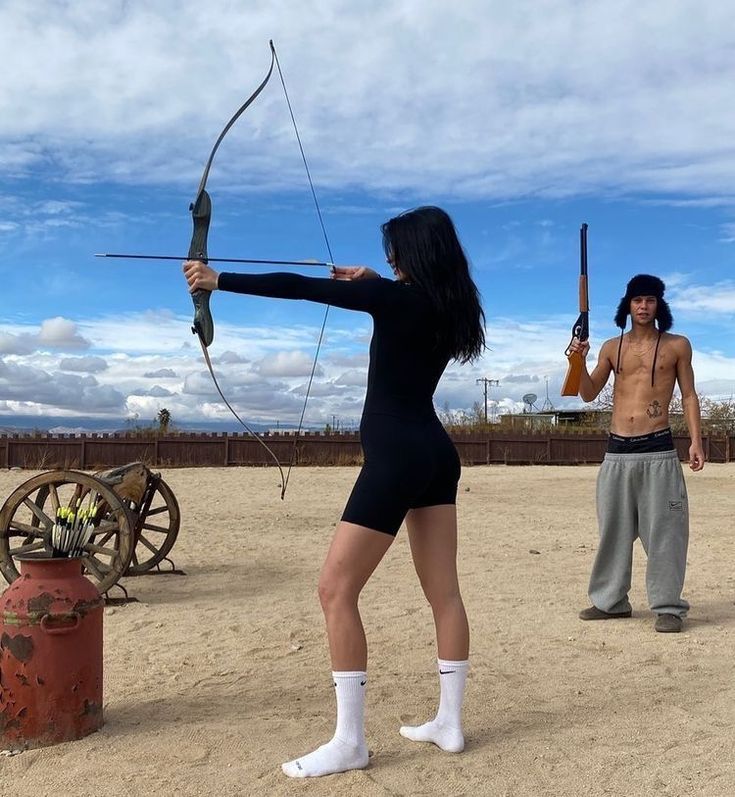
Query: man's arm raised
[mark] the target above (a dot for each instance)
(690, 402)
(590, 385)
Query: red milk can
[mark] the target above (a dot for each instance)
(50, 654)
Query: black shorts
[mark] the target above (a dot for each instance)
(408, 464)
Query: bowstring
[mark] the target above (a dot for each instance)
(331, 260)
(229, 406)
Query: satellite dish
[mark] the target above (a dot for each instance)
(530, 399)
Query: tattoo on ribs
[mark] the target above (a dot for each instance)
(654, 409)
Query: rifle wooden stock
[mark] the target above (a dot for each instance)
(574, 374)
(584, 304)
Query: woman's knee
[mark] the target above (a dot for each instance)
(334, 590)
(443, 599)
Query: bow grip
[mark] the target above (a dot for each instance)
(201, 213)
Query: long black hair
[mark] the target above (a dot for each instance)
(423, 245)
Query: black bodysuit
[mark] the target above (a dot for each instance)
(410, 461)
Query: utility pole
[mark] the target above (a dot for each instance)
(486, 384)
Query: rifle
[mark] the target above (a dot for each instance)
(581, 327)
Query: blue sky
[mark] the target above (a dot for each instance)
(522, 121)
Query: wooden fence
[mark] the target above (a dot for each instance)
(97, 451)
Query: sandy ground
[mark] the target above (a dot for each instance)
(214, 678)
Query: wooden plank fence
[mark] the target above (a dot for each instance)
(97, 451)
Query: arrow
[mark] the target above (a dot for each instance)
(222, 260)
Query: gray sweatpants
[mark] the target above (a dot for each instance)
(641, 495)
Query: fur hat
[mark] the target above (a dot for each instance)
(645, 285)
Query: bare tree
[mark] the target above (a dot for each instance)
(718, 417)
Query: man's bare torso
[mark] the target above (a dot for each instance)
(638, 407)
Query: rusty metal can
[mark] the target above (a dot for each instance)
(50, 654)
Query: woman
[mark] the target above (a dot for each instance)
(429, 315)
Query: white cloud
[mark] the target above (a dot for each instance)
(352, 378)
(715, 299)
(89, 365)
(60, 333)
(161, 373)
(54, 333)
(485, 98)
(156, 392)
(27, 386)
(288, 363)
(139, 348)
(230, 358)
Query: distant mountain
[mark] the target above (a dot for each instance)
(59, 424)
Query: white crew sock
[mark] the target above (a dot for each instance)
(347, 748)
(445, 730)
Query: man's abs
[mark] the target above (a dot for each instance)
(639, 408)
(644, 385)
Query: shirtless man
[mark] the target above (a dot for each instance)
(640, 487)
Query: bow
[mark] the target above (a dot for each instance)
(201, 212)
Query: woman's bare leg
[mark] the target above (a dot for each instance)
(354, 554)
(433, 536)
(432, 532)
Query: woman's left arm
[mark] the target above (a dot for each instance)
(351, 294)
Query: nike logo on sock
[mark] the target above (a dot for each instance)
(362, 683)
(446, 672)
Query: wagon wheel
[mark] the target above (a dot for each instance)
(27, 517)
(157, 528)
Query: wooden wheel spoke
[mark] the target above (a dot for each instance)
(104, 540)
(97, 569)
(104, 536)
(147, 544)
(107, 527)
(39, 513)
(55, 502)
(36, 545)
(24, 528)
(80, 493)
(153, 527)
(101, 550)
(157, 510)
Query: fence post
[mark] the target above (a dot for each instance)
(227, 449)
